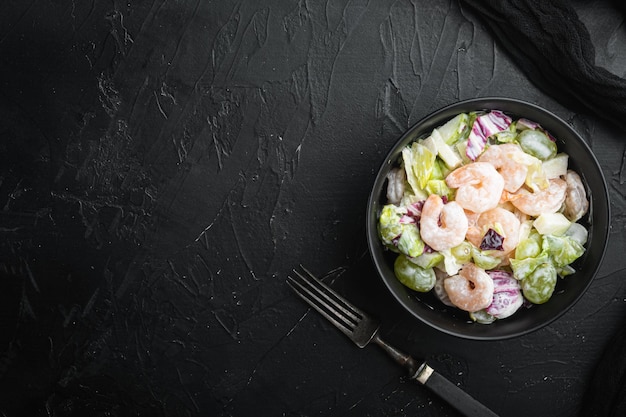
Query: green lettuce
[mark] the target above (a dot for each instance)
(537, 250)
(522, 268)
(389, 226)
(563, 250)
(529, 247)
(410, 242)
(419, 163)
(397, 234)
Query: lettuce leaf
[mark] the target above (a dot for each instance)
(419, 162)
(563, 250)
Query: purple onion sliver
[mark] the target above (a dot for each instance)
(500, 120)
(415, 209)
(407, 219)
(505, 303)
(504, 285)
(529, 124)
(475, 142)
(503, 281)
(491, 123)
(499, 273)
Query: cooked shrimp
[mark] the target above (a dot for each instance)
(479, 186)
(548, 200)
(442, 226)
(510, 227)
(471, 290)
(507, 205)
(576, 203)
(474, 235)
(472, 218)
(505, 159)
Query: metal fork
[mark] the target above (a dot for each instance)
(362, 330)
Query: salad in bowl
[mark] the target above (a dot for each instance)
(485, 212)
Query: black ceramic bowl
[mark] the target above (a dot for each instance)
(569, 290)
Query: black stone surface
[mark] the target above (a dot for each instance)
(165, 164)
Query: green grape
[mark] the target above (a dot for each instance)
(578, 232)
(482, 317)
(484, 260)
(413, 276)
(506, 136)
(537, 144)
(539, 285)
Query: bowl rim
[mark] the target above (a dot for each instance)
(435, 119)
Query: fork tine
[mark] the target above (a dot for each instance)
(325, 301)
(351, 311)
(304, 294)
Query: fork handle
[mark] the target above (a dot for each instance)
(448, 391)
(437, 383)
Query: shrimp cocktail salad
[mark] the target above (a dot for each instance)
(484, 212)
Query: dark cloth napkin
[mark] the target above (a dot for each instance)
(552, 46)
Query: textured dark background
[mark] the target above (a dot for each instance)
(165, 163)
